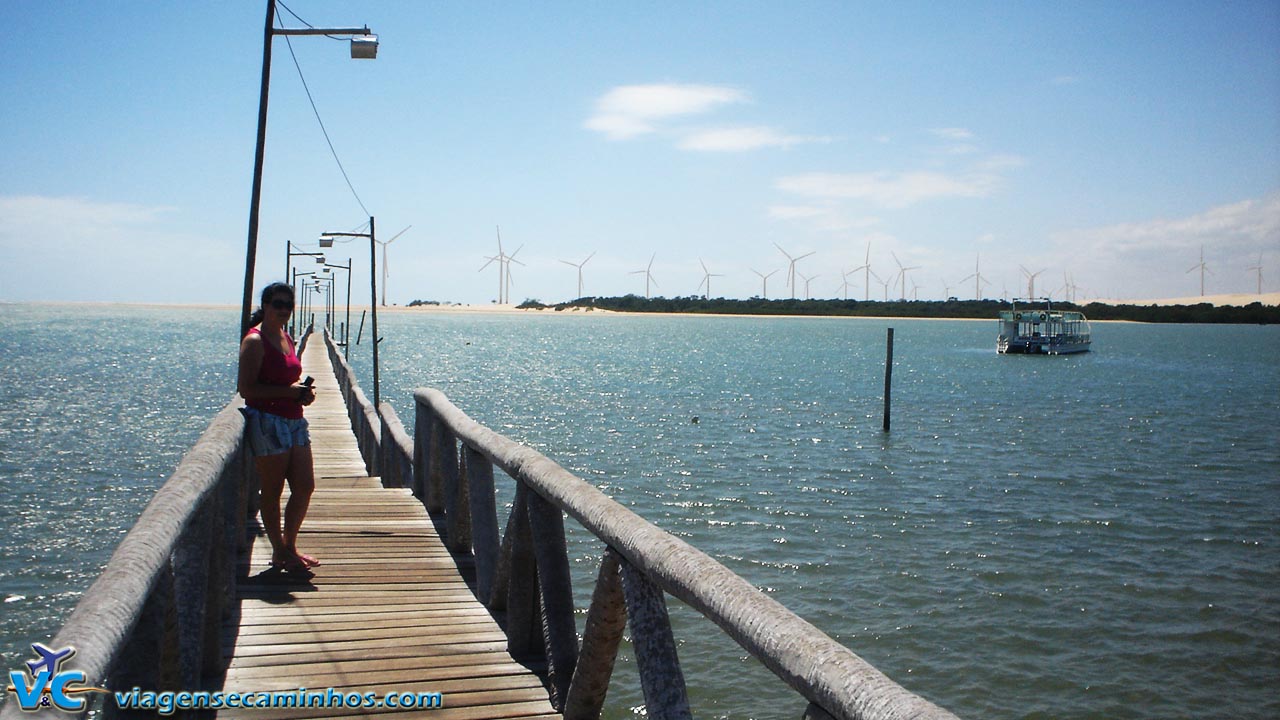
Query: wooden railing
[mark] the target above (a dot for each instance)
(523, 570)
(364, 418)
(153, 618)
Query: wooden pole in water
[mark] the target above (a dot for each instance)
(888, 377)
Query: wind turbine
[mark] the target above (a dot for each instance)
(791, 269)
(1031, 281)
(866, 275)
(579, 266)
(648, 275)
(978, 280)
(764, 282)
(1258, 267)
(902, 275)
(885, 283)
(384, 244)
(844, 282)
(807, 280)
(512, 259)
(915, 290)
(504, 268)
(1203, 269)
(1067, 289)
(501, 259)
(706, 278)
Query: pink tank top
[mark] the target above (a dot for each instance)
(278, 369)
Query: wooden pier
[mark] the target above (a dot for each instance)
(388, 609)
(423, 589)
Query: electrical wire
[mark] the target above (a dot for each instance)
(304, 22)
(316, 110)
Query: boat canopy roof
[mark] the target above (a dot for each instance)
(1045, 313)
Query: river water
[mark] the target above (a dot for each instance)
(1083, 536)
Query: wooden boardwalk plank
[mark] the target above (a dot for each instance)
(388, 610)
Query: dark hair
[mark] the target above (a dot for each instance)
(267, 293)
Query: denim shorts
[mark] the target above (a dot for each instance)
(271, 434)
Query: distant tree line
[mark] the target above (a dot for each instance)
(1255, 313)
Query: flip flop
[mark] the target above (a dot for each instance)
(289, 565)
(307, 560)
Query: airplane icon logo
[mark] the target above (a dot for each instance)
(49, 684)
(49, 660)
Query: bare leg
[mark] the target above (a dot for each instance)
(271, 472)
(302, 483)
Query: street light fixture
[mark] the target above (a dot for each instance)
(364, 44)
(290, 252)
(364, 48)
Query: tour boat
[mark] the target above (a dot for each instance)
(1043, 331)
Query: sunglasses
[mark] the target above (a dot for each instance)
(282, 304)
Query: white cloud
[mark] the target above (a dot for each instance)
(1151, 259)
(71, 248)
(889, 190)
(1248, 226)
(995, 163)
(797, 212)
(72, 216)
(826, 217)
(628, 111)
(743, 138)
(953, 133)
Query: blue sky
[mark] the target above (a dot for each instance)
(1101, 142)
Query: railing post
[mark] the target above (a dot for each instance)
(457, 523)
(421, 449)
(248, 500)
(437, 448)
(606, 620)
(655, 647)
(524, 626)
(149, 655)
(560, 632)
(384, 464)
(227, 533)
(191, 576)
(484, 521)
(373, 430)
(395, 460)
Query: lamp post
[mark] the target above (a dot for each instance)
(373, 296)
(290, 254)
(322, 285)
(300, 295)
(288, 266)
(346, 328)
(363, 47)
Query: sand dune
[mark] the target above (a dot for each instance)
(1238, 299)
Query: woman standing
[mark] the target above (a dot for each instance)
(274, 425)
